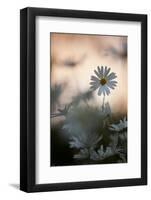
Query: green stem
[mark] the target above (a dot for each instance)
(103, 102)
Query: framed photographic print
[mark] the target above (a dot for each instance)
(83, 96)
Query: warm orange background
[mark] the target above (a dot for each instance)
(74, 58)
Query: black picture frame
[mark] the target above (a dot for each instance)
(28, 98)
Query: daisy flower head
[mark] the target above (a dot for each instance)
(103, 80)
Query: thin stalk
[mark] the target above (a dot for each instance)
(103, 103)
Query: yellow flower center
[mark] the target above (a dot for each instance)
(103, 81)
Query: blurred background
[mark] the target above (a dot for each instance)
(73, 60)
(74, 57)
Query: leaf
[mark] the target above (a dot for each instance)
(83, 154)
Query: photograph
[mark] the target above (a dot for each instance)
(83, 84)
(88, 98)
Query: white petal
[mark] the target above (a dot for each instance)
(111, 76)
(100, 90)
(94, 87)
(110, 85)
(101, 71)
(97, 73)
(107, 72)
(107, 90)
(93, 83)
(94, 78)
(113, 82)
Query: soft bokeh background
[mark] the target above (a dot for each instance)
(74, 57)
(73, 60)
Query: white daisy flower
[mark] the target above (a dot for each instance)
(104, 80)
(120, 127)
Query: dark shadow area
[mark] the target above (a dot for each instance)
(15, 185)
